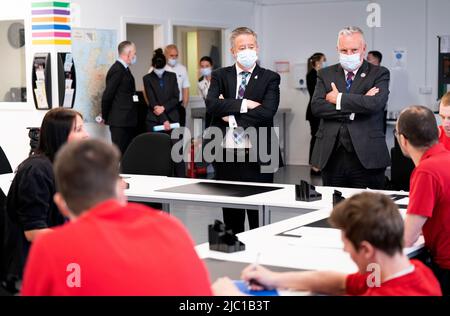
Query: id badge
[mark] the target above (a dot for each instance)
(135, 98)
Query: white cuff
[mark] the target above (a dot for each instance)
(232, 122)
(244, 108)
(338, 102)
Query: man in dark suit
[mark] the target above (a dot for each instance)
(240, 97)
(350, 98)
(119, 101)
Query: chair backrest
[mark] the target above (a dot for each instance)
(5, 166)
(149, 154)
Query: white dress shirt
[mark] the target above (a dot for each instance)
(339, 97)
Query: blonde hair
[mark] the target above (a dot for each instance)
(445, 100)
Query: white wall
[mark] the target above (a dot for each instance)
(142, 36)
(109, 14)
(294, 31)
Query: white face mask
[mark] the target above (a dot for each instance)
(206, 71)
(159, 72)
(172, 62)
(247, 58)
(350, 62)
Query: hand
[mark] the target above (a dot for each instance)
(166, 125)
(252, 104)
(158, 110)
(225, 287)
(372, 92)
(226, 119)
(265, 277)
(333, 94)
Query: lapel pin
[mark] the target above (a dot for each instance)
(363, 75)
(256, 77)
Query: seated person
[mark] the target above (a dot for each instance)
(429, 196)
(30, 210)
(372, 233)
(444, 113)
(162, 93)
(110, 247)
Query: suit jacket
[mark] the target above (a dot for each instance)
(263, 87)
(118, 108)
(366, 130)
(167, 96)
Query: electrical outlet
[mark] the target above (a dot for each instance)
(425, 90)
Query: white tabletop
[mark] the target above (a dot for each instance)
(317, 249)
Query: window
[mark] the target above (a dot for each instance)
(12, 62)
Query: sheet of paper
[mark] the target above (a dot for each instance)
(41, 98)
(68, 97)
(40, 75)
(403, 201)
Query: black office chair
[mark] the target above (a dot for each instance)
(401, 169)
(5, 166)
(149, 154)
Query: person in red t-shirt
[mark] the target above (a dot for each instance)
(372, 233)
(444, 113)
(429, 196)
(110, 247)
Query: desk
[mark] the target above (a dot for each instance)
(144, 189)
(320, 249)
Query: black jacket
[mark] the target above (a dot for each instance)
(118, 108)
(167, 96)
(29, 206)
(367, 129)
(263, 87)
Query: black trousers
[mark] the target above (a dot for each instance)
(122, 136)
(345, 170)
(234, 219)
(182, 113)
(314, 124)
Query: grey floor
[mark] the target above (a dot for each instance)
(197, 219)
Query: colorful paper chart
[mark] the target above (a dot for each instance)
(50, 22)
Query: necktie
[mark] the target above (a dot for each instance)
(243, 85)
(238, 133)
(349, 81)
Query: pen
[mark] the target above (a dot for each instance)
(252, 282)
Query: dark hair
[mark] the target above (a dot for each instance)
(314, 59)
(158, 60)
(378, 55)
(370, 217)
(208, 59)
(55, 129)
(86, 173)
(418, 125)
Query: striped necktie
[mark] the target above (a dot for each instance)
(349, 81)
(238, 133)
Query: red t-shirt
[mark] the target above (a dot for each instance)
(444, 139)
(429, 196)
(116, 250)
(420, 282)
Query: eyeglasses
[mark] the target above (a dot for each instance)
(396, 133)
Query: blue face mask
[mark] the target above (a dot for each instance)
(350, 62)
(172, 62)
(324, 64)
(134, 60)
(159, 72)
(247, 58)
(206, 72)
